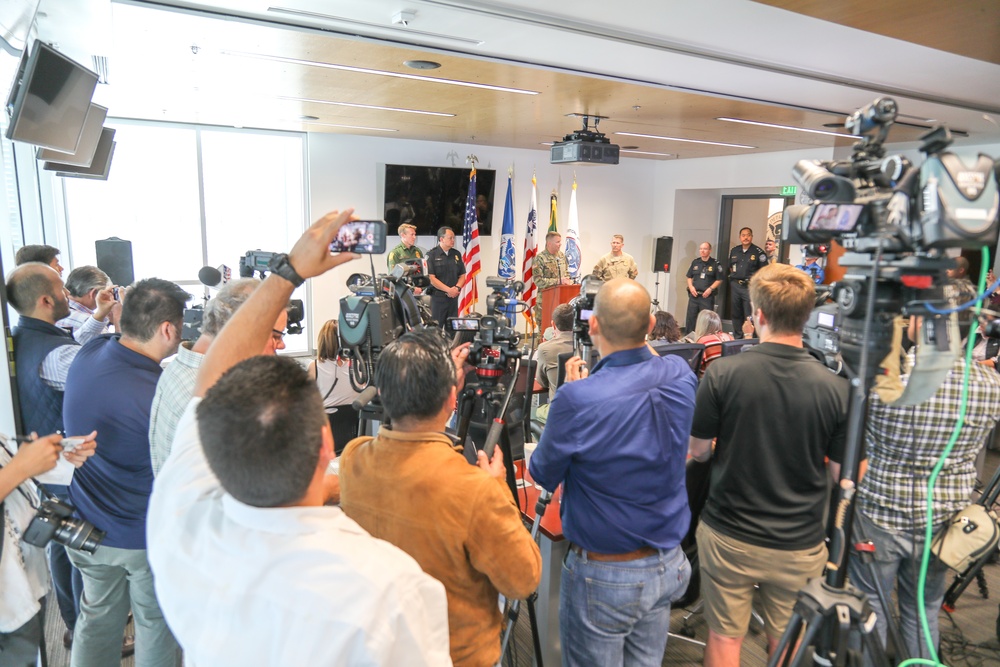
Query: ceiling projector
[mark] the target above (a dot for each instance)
(585, 146)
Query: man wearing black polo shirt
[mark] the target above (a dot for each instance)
(744, 261)
(446, 271)
(763, 519)
(617, 442)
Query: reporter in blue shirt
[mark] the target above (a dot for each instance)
(617, 441)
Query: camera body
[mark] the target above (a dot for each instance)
(496, 342)
(583, 308)
(54, 521)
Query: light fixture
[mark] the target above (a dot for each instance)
(687, 141)
(421, 64)
(786, 127)
(378, 72)
(646, 153)
(353, 127)
(367, 106)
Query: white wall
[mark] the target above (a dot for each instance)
(349, 170)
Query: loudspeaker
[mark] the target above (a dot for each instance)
(114, 257)
(662, 253)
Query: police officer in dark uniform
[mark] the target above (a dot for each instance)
(446, 271)
(744, 261)
(704, 278)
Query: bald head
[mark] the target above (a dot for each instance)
(622, 311)
(33, 286)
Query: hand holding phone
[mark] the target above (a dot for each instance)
(366, 237)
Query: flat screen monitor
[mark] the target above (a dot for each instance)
(52, 101)
(433, 197)
(98, 169)
(84, 154)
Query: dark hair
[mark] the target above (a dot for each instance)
(415, 374)
(150, 303)
(261, 429)
(35, 253)
(82, 279)
(786, 296)
(666, 328)
(746, 228)
(26, 284)
(562, 317)
(327, 344)
(444, 230)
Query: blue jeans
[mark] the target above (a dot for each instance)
(897, 561)
(619, 613)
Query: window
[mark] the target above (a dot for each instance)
(188, 197)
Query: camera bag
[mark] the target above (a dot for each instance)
(970, 534)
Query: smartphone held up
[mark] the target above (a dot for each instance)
(366, 237)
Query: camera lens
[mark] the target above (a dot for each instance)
(79, 534)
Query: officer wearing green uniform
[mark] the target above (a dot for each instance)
(407, 248)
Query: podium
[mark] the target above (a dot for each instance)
(552, 297)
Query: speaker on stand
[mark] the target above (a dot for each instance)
(114, 257)
(662, 252)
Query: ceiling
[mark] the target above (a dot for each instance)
(668, 68)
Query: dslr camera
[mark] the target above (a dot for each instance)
(54, 521)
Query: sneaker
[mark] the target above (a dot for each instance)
(128, 645)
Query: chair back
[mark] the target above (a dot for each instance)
(731, 347)
(691, 352)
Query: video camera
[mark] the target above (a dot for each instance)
(496, 342)
(379, 310)
(893, 218)
(583, 308)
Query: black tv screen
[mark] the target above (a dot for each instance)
(99, 168)
(52, 100)
(434, 197)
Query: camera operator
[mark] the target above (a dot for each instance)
(904, 444)
(446, 271)
(23, 579)
(617, 441)
(83, 284)
(767, 499)
(410, 487)
(239, 538)
(549, 351)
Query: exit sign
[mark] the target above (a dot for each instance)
(789, 190)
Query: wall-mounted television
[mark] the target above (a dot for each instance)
(84, 154)
(433, 197)
(99, 168)
(51, 101)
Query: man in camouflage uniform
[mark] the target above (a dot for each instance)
(616, 264)
(407, 248)
(549, 268)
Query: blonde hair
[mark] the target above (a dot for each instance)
(327, 343)
(786, 295)
(708, 322)
(405, 227)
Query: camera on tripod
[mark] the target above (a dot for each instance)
(496, 342)
(583, 308)
(54, 522)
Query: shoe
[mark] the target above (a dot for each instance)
(68, 639)
(128, 645)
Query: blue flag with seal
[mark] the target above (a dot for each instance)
(507, 266)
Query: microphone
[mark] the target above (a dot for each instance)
(214, 277)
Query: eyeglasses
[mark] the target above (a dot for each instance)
(278, 336)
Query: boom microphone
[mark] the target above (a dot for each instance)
(210, 276)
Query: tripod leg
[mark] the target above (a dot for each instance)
(788, 639)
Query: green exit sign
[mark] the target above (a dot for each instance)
(789, 190)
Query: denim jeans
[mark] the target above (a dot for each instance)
(619, 613)
(897, 561)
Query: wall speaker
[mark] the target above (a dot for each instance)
(662, 253)
(114, 257)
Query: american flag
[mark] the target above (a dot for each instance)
(530, 249)
(468, 298)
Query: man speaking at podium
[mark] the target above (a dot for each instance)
(550, 268)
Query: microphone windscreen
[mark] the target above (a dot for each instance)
(209, 276)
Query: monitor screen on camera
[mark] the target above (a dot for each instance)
(835, 217)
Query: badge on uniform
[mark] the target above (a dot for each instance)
(702, 275)
(711, 268)
(753, 258)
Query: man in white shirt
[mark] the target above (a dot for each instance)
(83, 284)
(240, 541)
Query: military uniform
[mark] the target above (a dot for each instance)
(704, 273)
(547, 270)
(446, 267)
(609, 267)
(401, 252)
(742, 265)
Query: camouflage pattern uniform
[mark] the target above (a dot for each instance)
(401, 252)
(546, 271)
(609, 267)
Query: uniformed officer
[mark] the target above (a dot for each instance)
(811, 266)
(744, 261)
(407, 248)
(446, 271)
(616, 264)
(704, 278)
(549, 268)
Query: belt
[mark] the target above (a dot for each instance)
(641, 552)
(743, 282)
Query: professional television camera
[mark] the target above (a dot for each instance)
(495, 343)
(583, 308)
(379, 310)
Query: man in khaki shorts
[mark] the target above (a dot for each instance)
(763, 519)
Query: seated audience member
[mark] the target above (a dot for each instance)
(239, 538)
(549, 351)
(22, 565)
(332, 376)
(763, 520)
(666, 328)
(410, 487)
(708, 331)
(45, 254)
(617, 441)
(83, 284)
(176, 386)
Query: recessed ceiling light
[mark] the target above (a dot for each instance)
(378, 72)
(687, 141)
(629, 150)
(421, 64)
(366, 106)
(785, 127)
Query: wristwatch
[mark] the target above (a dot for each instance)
(280, 265)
